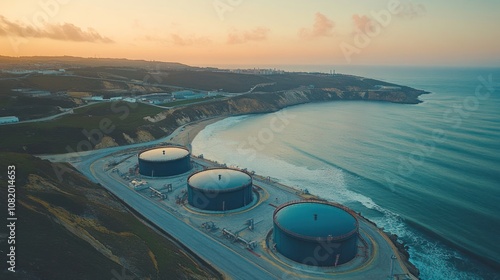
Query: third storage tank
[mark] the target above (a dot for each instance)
(315, 232)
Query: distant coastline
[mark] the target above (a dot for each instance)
(268, 102)
(138, 122)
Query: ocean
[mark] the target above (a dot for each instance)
(429, 173)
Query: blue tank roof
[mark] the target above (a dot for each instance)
(219, 179)
(164, 154)
(315, 220)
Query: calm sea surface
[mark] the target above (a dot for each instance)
(429, 173)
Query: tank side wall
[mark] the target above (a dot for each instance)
(144, 167)
(220, 201)
(349, 249)
(166, 168)
(315, 253)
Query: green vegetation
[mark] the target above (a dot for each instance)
(54, 136)
(115, 79)
(234, 82)
(55, 83)
(342, 82)
(74, 229)
(125, 115)
(112, 73)
(33, 107)
(26, 107)
(126, 121)
(209, 80)
(6, 87)
(190, 101)
(57, 62)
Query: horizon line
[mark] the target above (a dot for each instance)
(205, 65)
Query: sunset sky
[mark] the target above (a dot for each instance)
(257, 32)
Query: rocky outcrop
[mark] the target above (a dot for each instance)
(142, 136)
(403, 249)
(403, 253)
(106, 142)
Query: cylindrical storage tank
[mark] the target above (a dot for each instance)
(219, 189)
(164, 161)
(315, 233)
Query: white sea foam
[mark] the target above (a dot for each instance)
(431, 257)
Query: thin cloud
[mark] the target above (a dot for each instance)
(152, 38)
(176, 39)
(407, 10)
(360, 22)
(63, 32)
(257, 34)
(411, 10)
(137, 24)
(322, 27)
(179, 40)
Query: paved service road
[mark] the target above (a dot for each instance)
(224, 259)
(232, 260)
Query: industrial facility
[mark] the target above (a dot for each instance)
(219, 189)
(266, 225)
(9, 119)
(315, 233)
(164, 161)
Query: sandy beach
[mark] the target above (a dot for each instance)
(190, 131)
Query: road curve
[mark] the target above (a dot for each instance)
(215, 253)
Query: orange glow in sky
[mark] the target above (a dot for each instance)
(217, 32)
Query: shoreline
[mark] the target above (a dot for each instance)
(186, 137)
(196, 126)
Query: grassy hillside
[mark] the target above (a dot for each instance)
(74, 229)
(83, 130)
(127, 120)
(209, 80)
(54, 136)
(26, 107)
(112, 73)
(60, 83)
(128, 78)
(57, 62)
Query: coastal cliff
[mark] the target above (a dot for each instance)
(117, 123)
(167, 121)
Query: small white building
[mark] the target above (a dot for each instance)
(49, 72)
(182, 94)
(38, 93)
(19, 71)
(9, 119)
(381, 87)
(93, 98)
(129, 99)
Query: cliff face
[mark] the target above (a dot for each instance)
(268, 102)
(137, 122)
